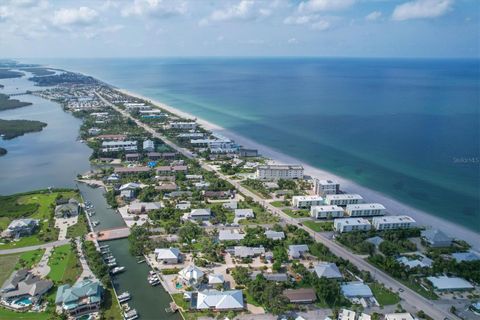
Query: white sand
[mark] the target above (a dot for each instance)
(393, 206)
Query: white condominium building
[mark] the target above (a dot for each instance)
(279, 171)
(351, 224)
(326, 212)
(393, 222)
(365, 210)
(342, 199)
(108, 146)
(324, 187)
(183, 125)
(306, 201)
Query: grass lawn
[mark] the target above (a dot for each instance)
(302, 213)
(22, 242)
(12, 315)
(278, 204)
(384, 296)
(7, 265)
(64, 265)
(79, 229)
(30, 258)
(110, 306)
(319, 226)
(261, 217)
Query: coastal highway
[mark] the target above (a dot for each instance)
(411, 300)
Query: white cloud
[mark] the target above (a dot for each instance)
(304, 19)
(74, 17)
(321, 25)
(243, 10)
(5, 13)
(310, 6)
(419, 9)
(292, 41)
(372, 16)
(155, 8)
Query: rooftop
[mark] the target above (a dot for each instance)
(393, 219)
(449, 283)
(219, 300)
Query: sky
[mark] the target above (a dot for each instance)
(173, 28)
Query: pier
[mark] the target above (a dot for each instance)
(109, 234)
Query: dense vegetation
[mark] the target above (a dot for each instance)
(14, 128)
(6, 73)
(7, 103)
(64, 78)
(95, 262)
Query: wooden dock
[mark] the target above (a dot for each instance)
(109, 234)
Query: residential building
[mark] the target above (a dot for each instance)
(218, 300)
(444, 283)
(466, 256)
(351, 224)
(143, 207)
(342, 199)
(326, 186)
(276, 277)
(113, 146)
(356, 289)
(130, 186)
(399, 316)
(131, 170)
(218, 194)
(376, 241)
(305, 202)
(170, 170)
(327, 270)
(23, 284)
(230, 235)
(278, 171)
(436, 238)
(231, 205)
(166, 186)
(275, 235)
(94, 131)
(303, 295)
(245, 252)
(69, 209)
(346, 314)
(297, 251)
(190, 135)
(365, 210)
(130, 157)
(113, 137)
(191, 275)
(21, 228)
(168, 255)
(200, 214)
(215, 279)
(245, 153)
(183, 205)
(183, 125)
(415, 260)
(81, 298)
(326, 212)
(148, 146)
(244, 213)
(393, 222)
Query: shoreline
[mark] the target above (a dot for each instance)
(393, 206)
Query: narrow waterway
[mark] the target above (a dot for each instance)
(54, 157)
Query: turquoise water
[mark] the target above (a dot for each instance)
(24, 301)
(407, 128)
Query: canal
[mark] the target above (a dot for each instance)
(54, 157)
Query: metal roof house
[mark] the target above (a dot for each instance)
(218, 300)
(230, 235)
(443, 283)
(200, 214)
(418, 260)
(84, 297)
(168, 256)
(191, 275)
(296, 251)
(244, 252)
(436, 238)
(356, 289)
(327, 270)
(215, 279)
(275, 235)
(69, 209)
(23, 284)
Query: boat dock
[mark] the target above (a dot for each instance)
(109, 234)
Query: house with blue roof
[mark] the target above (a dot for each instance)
(82, 298)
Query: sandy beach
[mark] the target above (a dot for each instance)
(393, 206)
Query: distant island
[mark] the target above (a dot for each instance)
(5, 73)
(10, 129)
(64, 78)
(3, 152)
(7, 103)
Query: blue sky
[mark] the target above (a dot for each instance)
(151, 28)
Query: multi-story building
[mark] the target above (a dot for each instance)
(326, 212)
(365, 210)
(112, 146)
(324, 187)
(183, 125)
(393, 222)
(351, 224)
(148, 146)
(81, 298)
(342, 199)
(306, 201)
(279, 171)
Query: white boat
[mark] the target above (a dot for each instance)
(112, 264)
(124, 297)
(104, 247)
(117, 270)
(131, 315)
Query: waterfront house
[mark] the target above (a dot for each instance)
(130, 186)
(21, 228)
(365, 210)
(351, 224)
(114, 146)
(275, 235)
(191, 275)
(82, 298)
(69, 209)
(324, 187)
(305, 202)
(466, 256)
(326, 212)
(444, 283)
(143, 207)
(148, 146)
(279, 171)
(436, 238)
(297, 251)
(217, 300)
(230, 235)
(342, 199)
(393, 222)
(168, 255)
(327, 270)
(245, 153)
(23, 285)
(303, 295)
(127, 194)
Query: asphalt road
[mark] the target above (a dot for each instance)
(411, 300)
(40, 246)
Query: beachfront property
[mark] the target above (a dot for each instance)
(182, 125)
(279, 171)
(444, 283)
(327, 270)
(143, 207)
(244, 213)
(23, 289)
(21, 228)
(365, 210)
(168, 255)
(436, 238)
(393, 222)
(217, 300)
(245, 252)
(199, 214)
(275, 235)
(190, 135)
(81, 298)
(67, 208)
(296, 251)
(230, 235)
(148, 146)
(247, 153)
(305, 202)
(351, 224)
(134, 106)
(153, 113)
(466, 256)
(217, 145)
(343, 199)
(326, 212)
(303, 295)
(191, 275)
(326, 186)
(114, 146)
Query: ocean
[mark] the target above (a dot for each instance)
(407, 128)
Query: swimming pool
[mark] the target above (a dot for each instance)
(25, 301)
